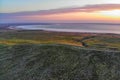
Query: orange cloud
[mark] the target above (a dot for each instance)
(85, 13)
(73, 16)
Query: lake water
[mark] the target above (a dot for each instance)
(75, 27)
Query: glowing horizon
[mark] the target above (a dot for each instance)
(106, 11)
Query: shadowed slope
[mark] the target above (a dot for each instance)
(57, 62)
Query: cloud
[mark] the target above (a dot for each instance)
(87, 9)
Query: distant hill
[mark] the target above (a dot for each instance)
(4, 27)
(57, 62)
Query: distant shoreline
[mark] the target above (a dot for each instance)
(91, 33)
(60, 28)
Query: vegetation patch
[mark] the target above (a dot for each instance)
(57, 62)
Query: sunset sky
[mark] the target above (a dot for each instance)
(75, 11)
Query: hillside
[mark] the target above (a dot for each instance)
(89, 40)
(57, 62)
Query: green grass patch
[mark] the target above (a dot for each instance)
(57, 62)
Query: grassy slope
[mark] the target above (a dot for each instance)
(36, 37)
(104, 42)
(57, 62)
(98, 41)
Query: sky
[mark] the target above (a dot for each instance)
(60, 11)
